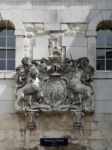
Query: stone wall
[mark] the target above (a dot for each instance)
(74, 21)
(96, 133)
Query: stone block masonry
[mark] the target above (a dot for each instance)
(74, 22)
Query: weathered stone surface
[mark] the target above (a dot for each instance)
(69, 147)
(98, 117)
(98, 145)
(64, 121)
(41, 48)
(40, 52)
(55, 16)
(71, 41)
(91, 53)
(106, 94)
(104, 106)
(108, 118)
(36, 135)
(6, 106)
(87, 122)
(19, 49)
(52, 26)
(102, 5)
(96, 134)
(73, 135)
(93, 125)
(33, 16)
(76, 52)
(53, 133)
(41, 41)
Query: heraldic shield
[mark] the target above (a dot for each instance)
(55, 91)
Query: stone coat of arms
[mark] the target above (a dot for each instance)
(54, 84)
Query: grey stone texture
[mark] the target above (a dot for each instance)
(96, 133)
(75, 21)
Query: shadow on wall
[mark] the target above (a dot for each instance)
(76, 47)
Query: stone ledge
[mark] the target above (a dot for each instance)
(103, 75)
(7, 74)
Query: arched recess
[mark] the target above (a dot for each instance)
(19, 28)
(102, 15)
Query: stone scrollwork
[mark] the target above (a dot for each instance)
(54, 84)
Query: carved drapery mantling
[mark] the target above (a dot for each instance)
(54, 84)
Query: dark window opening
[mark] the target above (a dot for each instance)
(7, 45)
(104, 46)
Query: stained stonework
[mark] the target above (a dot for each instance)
(71, 26)
(70, 147)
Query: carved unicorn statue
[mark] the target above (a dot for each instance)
(80, 82)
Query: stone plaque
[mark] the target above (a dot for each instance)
(53, 141)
